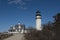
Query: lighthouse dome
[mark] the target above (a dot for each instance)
(38, 13)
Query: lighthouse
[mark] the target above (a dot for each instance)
(38, 20)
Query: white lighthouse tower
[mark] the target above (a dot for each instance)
(38, 20)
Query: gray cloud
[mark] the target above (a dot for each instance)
(24, 8)
(16, 2)
(21, 3)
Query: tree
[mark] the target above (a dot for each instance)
(39, 35)
(48, 31)
(57, 26)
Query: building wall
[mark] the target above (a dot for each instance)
(38, 23)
